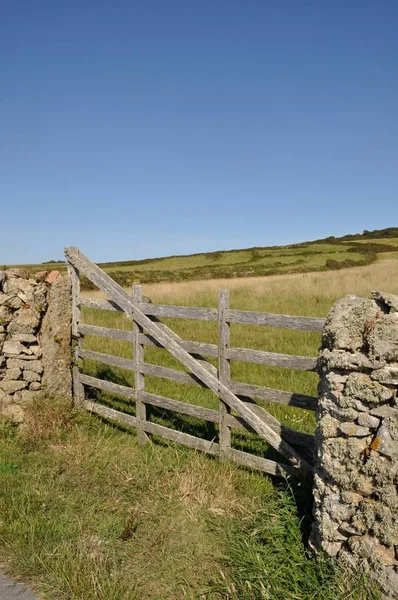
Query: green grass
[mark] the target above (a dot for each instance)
(85, 513)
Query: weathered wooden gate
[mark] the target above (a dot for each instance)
(233, 412)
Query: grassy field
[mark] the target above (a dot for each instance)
(85, 513)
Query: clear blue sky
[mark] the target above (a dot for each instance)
(139, 128)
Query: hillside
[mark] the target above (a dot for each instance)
(318, 255)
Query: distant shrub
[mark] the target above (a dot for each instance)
(255, 255)
(331, 263)
(214, 256)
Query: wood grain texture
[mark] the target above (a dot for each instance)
(108, 332)
(179, 312)
(191, 441)
(260, 464)
(110, 413)
(301, 363)
(108, 359)
(108, 386)
(279, 396)
(171, 374)
(224, 370)
(191, 410)
(139, 377)
(116, 293)
(191, 347)
(275, 320)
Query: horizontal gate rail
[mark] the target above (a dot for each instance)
(210, 314)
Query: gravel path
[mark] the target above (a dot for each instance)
(11, 590)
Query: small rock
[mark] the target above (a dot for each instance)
(383, 442)
(15, 302)
(40, 276)
(328, 426)
(331, 548)
(389, 299)
(16, 273)
(362, 387)
(37, 351)
(11, 374)
(25, 396)
(35, 386)
(384, 411)
(14, 348)
(29, 338)
(351, 497)
(52, 277)
(31, 376)
(348, 529)
(367, 420)
(32, 365)
(10, 387)
(353, 430)
(26, 321)
(368, 547)
(14, 412)
(5, 399)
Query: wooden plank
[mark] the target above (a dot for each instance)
(179, 312)
(99, 303)
(279, 396)
(139, 377)
(276, 320)
(108, 332)
(110, 413)
(210, 314)
(108, 359)
(224, 370)
(78, 389)
(171, 374)
(209, 447)
(108, 386)
(188, 346)
(302, 363)
(114, 291)
(191, 410)
(260, 464)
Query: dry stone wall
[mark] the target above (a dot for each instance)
(34, 349)
(356, 476)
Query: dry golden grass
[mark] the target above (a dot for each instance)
(280, 291)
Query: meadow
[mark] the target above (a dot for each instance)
(88, 513)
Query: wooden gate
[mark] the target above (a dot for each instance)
(235, 411)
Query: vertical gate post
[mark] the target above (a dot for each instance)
(78, 388)
(139, 377)
(224, 371)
